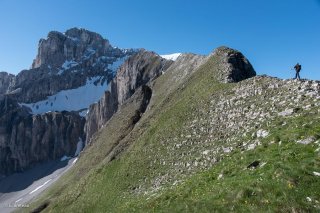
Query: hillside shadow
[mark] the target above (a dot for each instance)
(21, 181)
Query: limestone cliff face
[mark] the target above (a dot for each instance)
(99, 113)
(75, 44)
(138, 70)
(235, 67)
(6, 80)
(26, 140)
(66, 61)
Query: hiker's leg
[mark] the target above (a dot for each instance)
(298, 75)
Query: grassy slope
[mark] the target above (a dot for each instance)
(281, 185)
(141, 178)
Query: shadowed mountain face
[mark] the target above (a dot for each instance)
(137, 71)
(20, 181)
(6, 80)
(26, 139)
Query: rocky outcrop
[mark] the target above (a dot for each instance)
(26, 140)
(6, 80)
(235, 67)
(99, 113)
(138, 70)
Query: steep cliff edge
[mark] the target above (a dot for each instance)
(138, 70)
(6, 80)
(26, 139)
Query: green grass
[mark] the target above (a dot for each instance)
(281, 185)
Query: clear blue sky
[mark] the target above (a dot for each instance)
(273, 34)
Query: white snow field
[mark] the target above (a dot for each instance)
(172, 57)
(71, 100)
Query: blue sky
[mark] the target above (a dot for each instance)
(273, 34)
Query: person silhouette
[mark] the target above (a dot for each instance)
(297, 67)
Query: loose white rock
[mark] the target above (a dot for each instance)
(306, 141)
(262, 133)
(316, 173)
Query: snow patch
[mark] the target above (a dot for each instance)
(39, 187)
(69, 64)
(74, 161)
(18, 200)
(71, 100)
(172, 57)
(73, 39)
(79, 147)
(64, 158)
(84, 113)
(89, 52)
(116, 64)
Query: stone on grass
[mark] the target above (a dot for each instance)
(306, 141)
(262, 133)
(316, 173)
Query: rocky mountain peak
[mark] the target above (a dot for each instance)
(84, 36)
(73, 45)
(67, 61)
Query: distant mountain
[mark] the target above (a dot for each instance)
(77, 62)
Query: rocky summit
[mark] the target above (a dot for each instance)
(160, 133)
(67, 61)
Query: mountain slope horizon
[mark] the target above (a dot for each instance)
(211, 125)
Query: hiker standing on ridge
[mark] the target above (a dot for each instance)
(297, 68)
